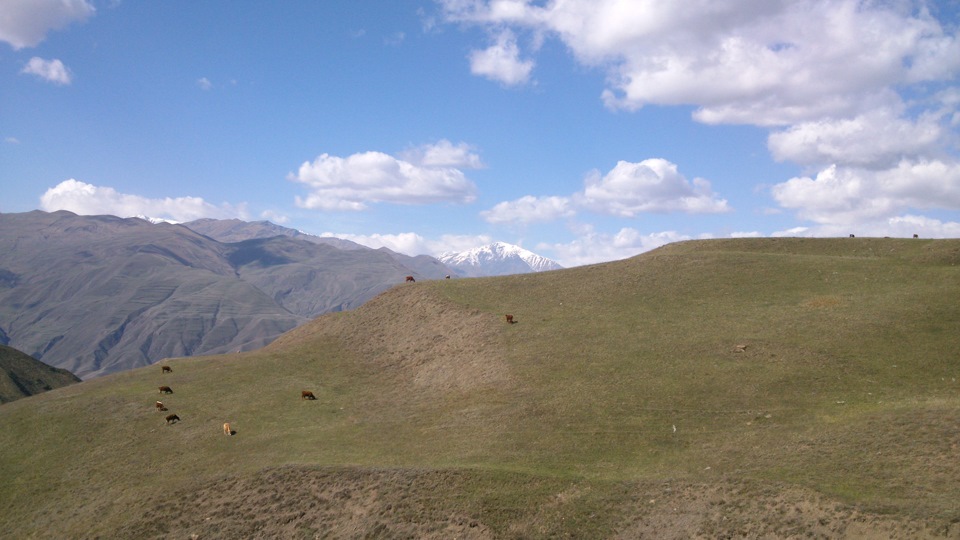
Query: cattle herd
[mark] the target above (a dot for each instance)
(304, 394)
(173, 418)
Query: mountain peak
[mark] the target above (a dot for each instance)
(497, 259)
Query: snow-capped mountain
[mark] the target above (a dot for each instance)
(497, 259)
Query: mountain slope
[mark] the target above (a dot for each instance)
(235, 230)
(497, 259)
(22, 375)
(761, 388)
(98, 294)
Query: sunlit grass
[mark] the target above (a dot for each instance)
(623, 372)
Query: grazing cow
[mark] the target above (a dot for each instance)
(226, 429)
(306, 394)
(509, 319)
(160, 406)
(852, 236)
(166, 390)
(447, 276)
(172, 419)
(916, 236)
(410, 279)
(166, 369)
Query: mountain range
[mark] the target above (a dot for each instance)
(497, 259)
(99, 294)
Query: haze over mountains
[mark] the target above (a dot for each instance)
(99, 294)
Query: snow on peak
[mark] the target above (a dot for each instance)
(497, 259)
(156, 221)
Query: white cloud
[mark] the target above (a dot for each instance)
(351, 183)
(413, 244)
(11, 140)
(86, 199)
(876, 139)
(275, 217)
(501, 61)
(849, 195)
(444, 153)
(795, 231)
(653, 185)
(862, 91)
(764, 62)
(902, 226)
(530, 209)
(49, 70)
(25, 23)
(204, 83)
(593, 247)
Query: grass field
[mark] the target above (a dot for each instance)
(755, 387)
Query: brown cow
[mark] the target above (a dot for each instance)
(410, 279)
(306, 394)
(172, 419)
(166, 390)
(160, 406)
(916, 236)
(226, 429)
(509, 319)
(166, 369)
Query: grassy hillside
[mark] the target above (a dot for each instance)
(622, 403)
(22, 375)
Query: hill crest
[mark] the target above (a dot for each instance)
(767, 388)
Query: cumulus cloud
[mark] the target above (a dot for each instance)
(275, 217)
(862, 92)
(413, 244)
(87, 199)
(530, 209)
(764, 62)
(25, 23)
(444, 153)
(653, 185)
(875, 139)
(592, 247)
(848, 195)
(901, 226)
(351, 183)
(49, 70)
(501, 61)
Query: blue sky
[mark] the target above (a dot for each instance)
(583, 130)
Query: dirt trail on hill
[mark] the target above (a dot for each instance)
(431, 342)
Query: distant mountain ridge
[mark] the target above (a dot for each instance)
(235, 230)
(99, 294)
(497, 259)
